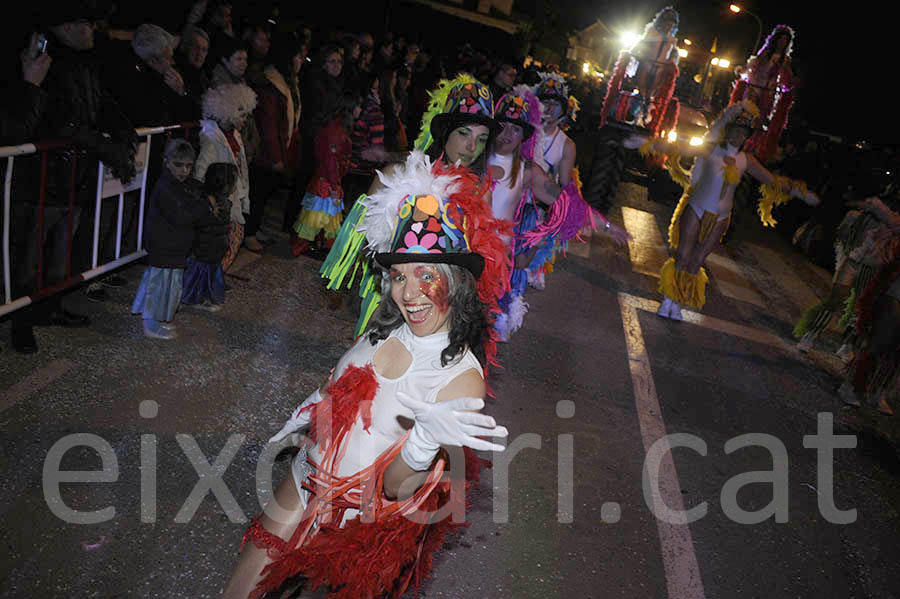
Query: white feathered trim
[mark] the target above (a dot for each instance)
(415, 178)
(518, 308)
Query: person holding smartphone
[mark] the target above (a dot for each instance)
(20, 112)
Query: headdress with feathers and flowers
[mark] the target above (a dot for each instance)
(553, 87)
(459, 100)
(425, 212)
(522, 107)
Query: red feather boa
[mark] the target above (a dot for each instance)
(768, 143)
(738, 91)
(615, 85)
(661, 96)
(466, 205)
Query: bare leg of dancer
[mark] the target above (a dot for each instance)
(246, 574)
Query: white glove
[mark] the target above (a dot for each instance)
(809, 197)
(299, 419)
(449, 422)
(634, 142)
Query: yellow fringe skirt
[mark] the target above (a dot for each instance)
(679, 285)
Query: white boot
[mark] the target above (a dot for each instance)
(664, 308)
(675, 312)
(806, 342)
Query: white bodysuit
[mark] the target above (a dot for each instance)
(708, 178)
(505, 200)
(423, 380)
(550, 153)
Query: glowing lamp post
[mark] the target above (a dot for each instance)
(736, 9)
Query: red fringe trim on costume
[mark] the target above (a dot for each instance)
(364, 560)
(615, 85)
(345, 399)
(483, 233)
(661, 100)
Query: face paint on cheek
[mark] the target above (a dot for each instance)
(436, 289)
(479, 148)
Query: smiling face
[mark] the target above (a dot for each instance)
(509, 139)
(422, 294)
(466, 144)
(236, 63)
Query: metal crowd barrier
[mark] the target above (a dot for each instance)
(107, 187)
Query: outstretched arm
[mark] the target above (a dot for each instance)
(788, 186)
(453, 420)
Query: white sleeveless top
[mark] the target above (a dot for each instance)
(708, 177)
(423, 380)
(549, 155)
(505, 200)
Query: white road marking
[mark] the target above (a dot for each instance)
(679, 560)
(34, 382)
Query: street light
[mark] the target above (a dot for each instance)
(714, 61)
(629, 39)
(738, 9)
(687, 42)
(682, 52)
(724, 63)
(585, 68)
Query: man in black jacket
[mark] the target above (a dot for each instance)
(24, 102)
(78, 109)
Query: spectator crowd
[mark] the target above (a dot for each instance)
(301, 114)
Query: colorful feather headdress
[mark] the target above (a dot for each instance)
(522, 107)
(464, 99)
(553, 87)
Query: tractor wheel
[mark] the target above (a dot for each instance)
(606, 170)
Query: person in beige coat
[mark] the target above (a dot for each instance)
(225, 110)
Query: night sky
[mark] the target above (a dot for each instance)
(846, 59)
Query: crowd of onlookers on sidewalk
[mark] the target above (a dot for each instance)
(285, 107)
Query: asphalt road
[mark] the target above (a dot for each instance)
(590, 384)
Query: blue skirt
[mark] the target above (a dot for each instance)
(159, 294)
(203, 281)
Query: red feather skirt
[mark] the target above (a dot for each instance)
(389, 544)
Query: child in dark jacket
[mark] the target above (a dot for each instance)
(204, 279)
(173, 209)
